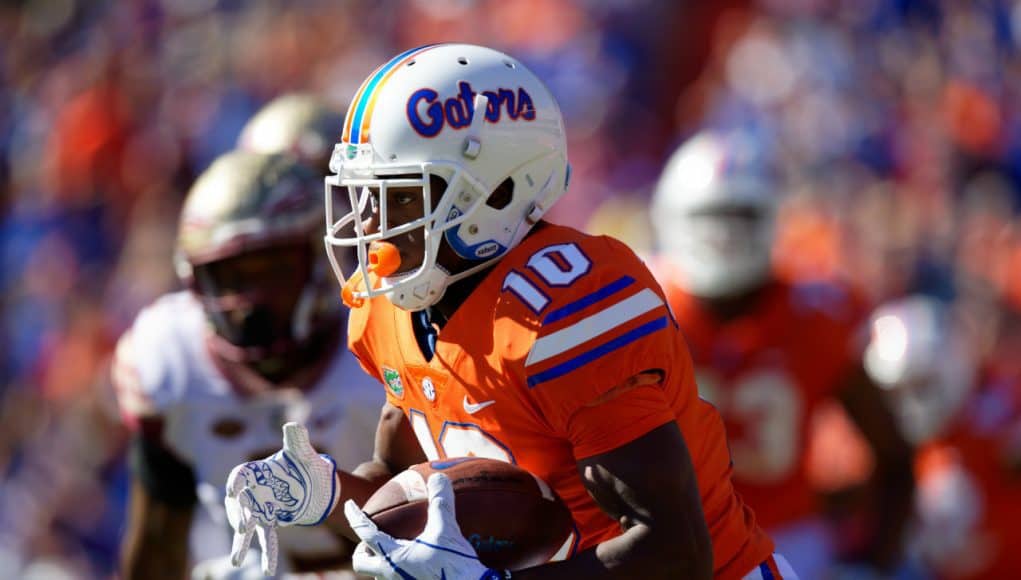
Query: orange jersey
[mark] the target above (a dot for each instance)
(521, 367)
(767, 372)
(969, 488)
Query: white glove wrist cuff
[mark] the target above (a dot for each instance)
(325, 474)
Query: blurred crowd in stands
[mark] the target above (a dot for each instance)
(898, 123)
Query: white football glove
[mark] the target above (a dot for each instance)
(439, 552)
(294, 486)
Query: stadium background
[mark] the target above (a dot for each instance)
(899, 120)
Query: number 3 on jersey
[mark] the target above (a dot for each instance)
(558, 265)
(765, 407)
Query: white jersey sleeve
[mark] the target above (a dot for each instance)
(150, 367)
(163, 370)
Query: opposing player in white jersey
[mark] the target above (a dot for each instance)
(210, 374)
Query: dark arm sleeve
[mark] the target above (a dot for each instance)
(166, 478)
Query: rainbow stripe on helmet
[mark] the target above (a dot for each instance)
(356, 127)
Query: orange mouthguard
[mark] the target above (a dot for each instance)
(384, 259)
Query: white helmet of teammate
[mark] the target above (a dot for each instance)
(714, 213)
(918, 357)
(413, 120)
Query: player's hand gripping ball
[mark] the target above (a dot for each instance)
(511, 517)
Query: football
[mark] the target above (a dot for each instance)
(512, 517)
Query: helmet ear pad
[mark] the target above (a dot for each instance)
(498, 199)
(449, 258)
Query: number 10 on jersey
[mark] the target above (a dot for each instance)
(558, 265)
(457, 440)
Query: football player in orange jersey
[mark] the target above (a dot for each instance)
(767, 351)
(966, 422)
(497, 334)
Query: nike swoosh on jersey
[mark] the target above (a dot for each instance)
(472, 408)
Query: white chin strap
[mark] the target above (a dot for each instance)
(427, 292)
(431, 289)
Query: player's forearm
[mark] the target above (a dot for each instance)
(155, 543)
(153, 562)
(358, 485)
(894, 481)
(894, 507)
(640, 552)
(154, 551)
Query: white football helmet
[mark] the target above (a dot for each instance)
(714, 213)
(414, 119)
(923, 363)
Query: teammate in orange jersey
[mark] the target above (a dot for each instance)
(967, 423)
(767, 352)
(499, 335)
